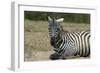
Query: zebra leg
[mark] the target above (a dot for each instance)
(69, 54)
(54, 56)
(70, 57)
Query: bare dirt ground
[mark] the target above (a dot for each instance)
(38, 56)
(44, 56)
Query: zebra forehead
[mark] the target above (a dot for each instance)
(54, 23)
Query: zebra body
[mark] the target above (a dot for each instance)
(66, 43)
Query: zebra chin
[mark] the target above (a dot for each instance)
(52, 42)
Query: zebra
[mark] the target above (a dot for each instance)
(67, 44)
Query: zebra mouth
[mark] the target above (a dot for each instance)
(52, 41)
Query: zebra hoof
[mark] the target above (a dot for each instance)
(54, 56)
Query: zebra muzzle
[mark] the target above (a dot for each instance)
(52, 41)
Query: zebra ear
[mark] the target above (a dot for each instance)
(49, 18)
(60, 20)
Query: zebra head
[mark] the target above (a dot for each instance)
(54, 27)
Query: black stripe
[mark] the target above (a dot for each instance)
(82, 41)
(77, 42)
(70, 37)
(58, 43)
(62, 48)
(88, 46)
(85, 45)
(85, 37)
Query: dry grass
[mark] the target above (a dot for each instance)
(37, 43)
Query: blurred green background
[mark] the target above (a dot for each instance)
(68, 17)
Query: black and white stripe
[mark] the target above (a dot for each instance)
(66, 43)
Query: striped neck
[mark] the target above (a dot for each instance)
(57, 39)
